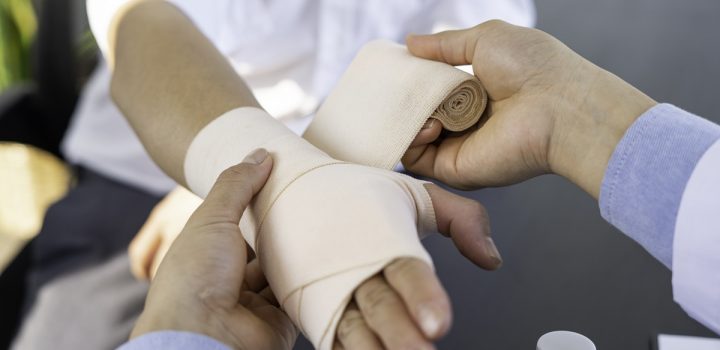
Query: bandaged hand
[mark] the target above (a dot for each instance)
(323, 229)
(550, 111)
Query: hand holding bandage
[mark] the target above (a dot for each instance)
(384, 98)
(322, 227)
(155, 100)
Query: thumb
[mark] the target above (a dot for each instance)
(455, 47)
(213, 231)
(233, 190)
(466, 222)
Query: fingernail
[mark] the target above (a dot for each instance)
(430, 321)
(256, 157)
(429, 123)
(493, 252)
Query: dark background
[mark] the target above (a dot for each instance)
(565, 267)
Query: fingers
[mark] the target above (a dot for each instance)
(420, 158)
(211, 244)
(354, 333)
(143, 248)
(423, 295)
(429, 133)
(437, 160)
(254, 277)
(159, 255)
(385, 313)
(456, 47)
(233, 190)
(466, 222)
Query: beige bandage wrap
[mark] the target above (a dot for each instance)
(320, 227)
(383, 100)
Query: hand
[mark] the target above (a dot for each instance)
(550, 111)
(199, 286)
(406, 307)
(164, 224)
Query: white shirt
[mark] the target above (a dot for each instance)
(662, 189)
(696, 250)
(290, 53)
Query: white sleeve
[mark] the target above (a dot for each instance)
(459, 14)
(696, 247)
(205, 16)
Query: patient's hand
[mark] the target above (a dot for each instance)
(404, 306)
(164, 224)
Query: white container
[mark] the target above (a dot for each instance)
(564, 340)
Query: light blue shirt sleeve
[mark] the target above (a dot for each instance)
(175, 340)
(647, 173)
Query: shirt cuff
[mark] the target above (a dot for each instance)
(173, 340)
(647, 174)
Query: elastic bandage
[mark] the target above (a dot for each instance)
(323, 225)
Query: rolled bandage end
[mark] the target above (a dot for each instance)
(384, 98)
(463, 107)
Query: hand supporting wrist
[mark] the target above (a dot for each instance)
(320, 227)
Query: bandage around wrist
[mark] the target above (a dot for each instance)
(320, 227)
(382, 101)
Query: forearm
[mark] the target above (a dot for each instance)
(169, 80)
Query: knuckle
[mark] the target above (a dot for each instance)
(401, 267)
(374, 297)
(410, 340)
(352, 320)
(480, 210)
(235, 173)
(493, 23)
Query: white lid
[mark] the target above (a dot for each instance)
(564, 340)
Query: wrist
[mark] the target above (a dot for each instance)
(188, 318)
(155, 319)
(600, 108)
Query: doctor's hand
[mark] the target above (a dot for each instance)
(549, 111)
(204, 284)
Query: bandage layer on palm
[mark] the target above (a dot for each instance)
(321, 225)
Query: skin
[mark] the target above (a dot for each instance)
(151, 243)
(222, 297)
(550, 111)
(170, 81)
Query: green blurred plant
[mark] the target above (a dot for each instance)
(17, 30)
